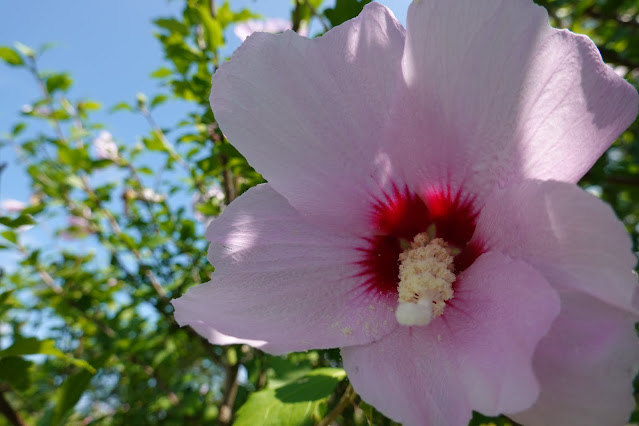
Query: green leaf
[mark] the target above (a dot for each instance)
(22, 220)
(10, 56)
(4, 296)
(46, 46)
(32, 346)
(59, 82)
(17, 129)
(345, 10)
(297, 403)
(481, 420)
(6, 302)
(122, 106)
(212, 28)
(72, 389)
(154, 143)
(172, 25)
(161, 73)
(74, 181)
(89, 105)
(158, 100)
(10, 236)
(74, 157)
(15, 370)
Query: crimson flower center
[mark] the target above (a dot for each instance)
(399, 219)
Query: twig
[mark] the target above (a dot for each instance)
(623, 180)
(592, 12)
(160, 134)
(613, 57)
(230, 393)
(46, 277)
(7, 410)
(168, 146)
(319, 16)
(228, 185)
(33, 67)
(347, 399)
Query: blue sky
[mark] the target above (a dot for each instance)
(109, 49)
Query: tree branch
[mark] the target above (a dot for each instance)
(592, 12)
(347, 399)
(230, 393)
(7, 410)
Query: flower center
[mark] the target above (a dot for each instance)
(406, 229)
(425, 280)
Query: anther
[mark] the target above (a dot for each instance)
(425, 280)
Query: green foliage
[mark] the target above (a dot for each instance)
(10, 56)
(22, 220)
(345, 10)
(58, 82)
(33, 346)
(300, 402)
(16, 371)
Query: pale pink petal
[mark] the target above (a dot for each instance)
(282, 281)
(105, 146)
(570, 236)
(585, 366)
(477, 356)
(408, 376)
(316, 110)
(12, 206)
(217, 338)
(274, 25)
(492, 94)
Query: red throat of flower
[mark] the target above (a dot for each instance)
(404, 217)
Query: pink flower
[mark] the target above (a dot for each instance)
(273, 25)
(105, 146)
(421, 214)
(12, 206)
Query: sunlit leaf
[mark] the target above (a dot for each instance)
(10, 56)
(296, 403)
(31, 346)
(16, 371)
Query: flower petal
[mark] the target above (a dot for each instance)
(570, 236)
(585, 366)
(283, 282)
(217, 338)
(316, 110)
(477, 356)
(408, 376)
(492, 94)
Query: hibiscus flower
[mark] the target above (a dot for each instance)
(421, 214)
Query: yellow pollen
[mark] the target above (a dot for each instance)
(425, 280)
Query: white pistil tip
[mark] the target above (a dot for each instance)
(425, 280)
(410, 314)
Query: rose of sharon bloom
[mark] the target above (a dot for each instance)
(105, 146)
(12, 206)
(272, 25)
(421, 214)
